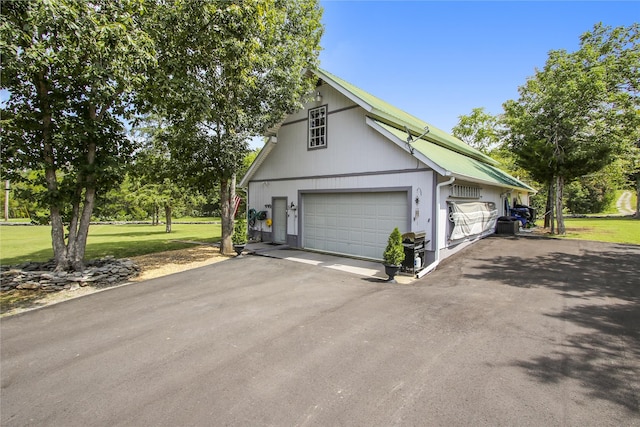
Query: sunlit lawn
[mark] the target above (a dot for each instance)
(33, 243)
(615, 230)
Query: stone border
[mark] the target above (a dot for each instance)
(100, 273)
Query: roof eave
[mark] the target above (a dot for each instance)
(335, 85)
(395, 121)
(262, 155)
(494, 184)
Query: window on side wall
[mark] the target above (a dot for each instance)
(318, 127)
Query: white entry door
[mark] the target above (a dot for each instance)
(353, 223)
(280, 220)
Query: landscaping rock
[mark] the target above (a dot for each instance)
(29, 285)
(103, 272)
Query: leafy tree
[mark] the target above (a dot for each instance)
(480, 130)
(573, 115)
(590, 194)
(229, 70)
(158, 173)
(618, 51)
(70, 68)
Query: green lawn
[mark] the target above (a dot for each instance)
(33, 243)
(615, 230)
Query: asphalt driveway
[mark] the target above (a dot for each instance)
(512, 331)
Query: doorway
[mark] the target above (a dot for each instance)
(280, 220)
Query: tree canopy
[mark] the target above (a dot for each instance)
(75, 70)
(579, 111)
(479, 129)
(70, 69)
(227, 71)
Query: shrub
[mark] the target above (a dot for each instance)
(394, 253)
(239, 236)
(589, 195)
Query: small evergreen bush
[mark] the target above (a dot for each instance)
(239, 236)
(394, 253)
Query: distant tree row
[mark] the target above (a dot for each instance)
(129, 201)
(140, 196)
(575, 130)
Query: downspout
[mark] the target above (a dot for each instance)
(435, 263)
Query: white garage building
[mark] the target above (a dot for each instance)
(340, 174)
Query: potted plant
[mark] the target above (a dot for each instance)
(239, 237)
(393, 255)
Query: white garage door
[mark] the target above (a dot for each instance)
(353, 223)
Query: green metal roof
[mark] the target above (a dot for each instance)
(457, 164)
(394, 116)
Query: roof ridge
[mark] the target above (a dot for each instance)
(436, 135)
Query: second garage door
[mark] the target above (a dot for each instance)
(356, 224)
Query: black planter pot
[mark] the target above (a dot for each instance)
(391, 271)
(239, 249)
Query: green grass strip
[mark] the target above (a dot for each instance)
(33, 243)
(613, 230)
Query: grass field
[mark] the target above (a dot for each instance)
(33, 243)
(614, 230)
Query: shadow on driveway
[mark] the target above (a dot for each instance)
(510, 331)
(600, 284)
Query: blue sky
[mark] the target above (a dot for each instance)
(439, 60)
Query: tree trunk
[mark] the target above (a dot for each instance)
(548, 209)
(6, 200)
(57, 239)
(77, 262)
(167, 217)
(227, 193)
(72, 237)
(55, 215)
(559, 204)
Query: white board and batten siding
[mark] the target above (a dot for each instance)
(352, 148)
(353, 223)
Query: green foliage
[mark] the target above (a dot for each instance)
(394, 252)
(227, 71)
(575, 114)
(239, 232)
(70, 68)
(220, 72)
(592, 194)
(479, 130)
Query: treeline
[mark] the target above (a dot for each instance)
(142, 195)
(130, 201)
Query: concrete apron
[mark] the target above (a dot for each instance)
(371, 269)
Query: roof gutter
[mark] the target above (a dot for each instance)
(435, 263)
